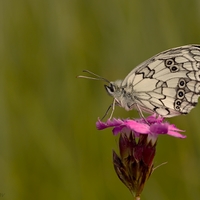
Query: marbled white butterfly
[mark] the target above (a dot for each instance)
(167, 84)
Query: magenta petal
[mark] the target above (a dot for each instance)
(102, 125)
(153, 119)
(158, 128)
(176, 134)
(154, 127)
(137, 127)
(117, 130)
(173, 131)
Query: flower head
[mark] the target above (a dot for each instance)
(151, 126)
(137, 147)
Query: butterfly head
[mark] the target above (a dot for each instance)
(114, 89)
(121, 97)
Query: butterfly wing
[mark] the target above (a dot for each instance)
(168, 83)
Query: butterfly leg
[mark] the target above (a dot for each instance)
(113, 108)
(140, 113)
(106, 112)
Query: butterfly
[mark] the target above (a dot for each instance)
(167, 84)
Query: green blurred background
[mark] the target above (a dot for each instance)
(49, 145)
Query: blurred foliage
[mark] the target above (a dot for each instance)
(49, 146)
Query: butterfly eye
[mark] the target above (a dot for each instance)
(110, 89)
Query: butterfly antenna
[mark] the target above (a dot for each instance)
(97, 77)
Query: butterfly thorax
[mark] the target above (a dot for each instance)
(123, 96)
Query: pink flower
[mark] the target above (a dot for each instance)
(151, 125)
(137, 148)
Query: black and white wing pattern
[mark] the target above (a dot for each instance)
(167, 84)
